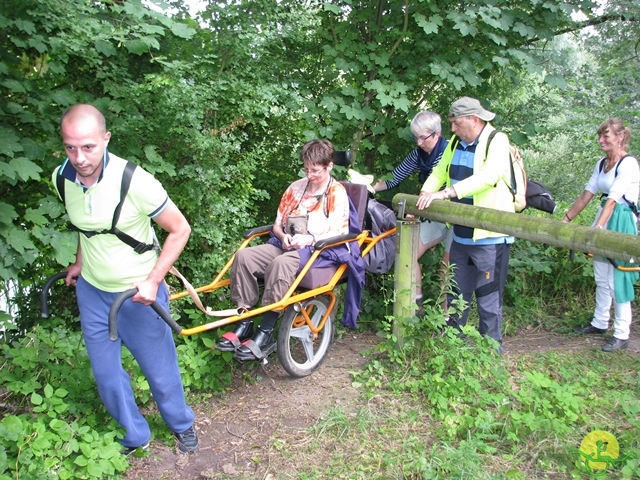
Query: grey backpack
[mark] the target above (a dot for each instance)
(380, 219)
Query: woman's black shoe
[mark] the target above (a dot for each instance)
(261, 345)
(232, 340)
(590, 330)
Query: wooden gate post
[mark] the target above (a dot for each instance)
(404, 305)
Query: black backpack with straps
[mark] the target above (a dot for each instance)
(380, 219)
(138, 247)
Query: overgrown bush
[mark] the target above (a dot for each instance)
(482, 404)
(54, 425)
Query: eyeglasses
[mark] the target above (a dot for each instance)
(422, 138)
(315, 172)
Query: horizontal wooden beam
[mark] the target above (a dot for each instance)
(608, 244)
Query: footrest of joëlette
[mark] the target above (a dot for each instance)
(256, 353)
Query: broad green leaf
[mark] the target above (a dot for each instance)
(466, 29)
(383, 149)
(497, 39)
(9, 142)
(157, 163)
(26, 26)
(11, 428)
(18, 42)
(36, 399)
(518, 138)
(403, 104)
(34, 216)
(25, 168)
(376, 85)
(51, 206)
(8, 171)
(64, 97)
(471, 77)
(429, 26)
(135, 9)
(37, 42)
(524, 30)
(151, 154)
(136, 46)
(556, 81)
(502, 61)
(384, 99)
(183, 31)
(381, 60)
(58, 425)
(20, 240)
(330, 7)
(7, 213)
(14, 85)
(105, 48)
(151, 42)
(152, 29)
(351, 112)
(491, 16)
(350, 91)
(65, 247)
(329, 103)
(48, 391)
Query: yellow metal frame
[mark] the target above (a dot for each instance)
(622, 268)
(292, 296)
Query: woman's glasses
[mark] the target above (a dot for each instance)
(423, 138)
(312, 172)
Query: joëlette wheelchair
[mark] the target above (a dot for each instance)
(306, 328)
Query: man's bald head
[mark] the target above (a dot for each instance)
(84, 113)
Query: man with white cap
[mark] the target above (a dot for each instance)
(475, 175)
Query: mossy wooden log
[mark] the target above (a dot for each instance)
(608, 244)
(404, 304)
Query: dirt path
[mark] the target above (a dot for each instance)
(237, 431)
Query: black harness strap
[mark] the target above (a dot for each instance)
(138, 247)
(60, 184)
(632, 205)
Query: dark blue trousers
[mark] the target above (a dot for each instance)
(481, 270)
(150, 341)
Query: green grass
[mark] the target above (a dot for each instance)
(522, 416)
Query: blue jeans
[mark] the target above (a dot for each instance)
(150, 341)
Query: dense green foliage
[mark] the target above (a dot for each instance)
(464, 412)
(217, 107)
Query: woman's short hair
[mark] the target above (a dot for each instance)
(426, 122)
(317, 152)
(616, 126)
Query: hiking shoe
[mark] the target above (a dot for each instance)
(187, 440)
(126, 451)
(590, 330)
(615, 344)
